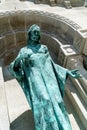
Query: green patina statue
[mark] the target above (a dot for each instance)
(43, 83)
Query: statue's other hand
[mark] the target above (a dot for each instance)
(74, 73)
(21, 57)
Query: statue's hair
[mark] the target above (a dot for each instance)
(29, 31)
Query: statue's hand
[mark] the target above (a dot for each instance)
(22, 57)
(74, 73)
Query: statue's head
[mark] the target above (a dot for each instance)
(34, 33)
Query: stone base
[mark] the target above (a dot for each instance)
(52, 3)
(37, 2)
(67, 4)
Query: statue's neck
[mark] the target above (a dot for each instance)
(33, 43)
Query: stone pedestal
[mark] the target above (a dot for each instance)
(67, 4)
(52, 2)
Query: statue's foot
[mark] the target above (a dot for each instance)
(67, 4)
(37, 2)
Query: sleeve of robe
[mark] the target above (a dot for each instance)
(61, 76)
(16, 70)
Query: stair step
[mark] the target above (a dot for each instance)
(80, 89)
(77, 102)
(73, 116)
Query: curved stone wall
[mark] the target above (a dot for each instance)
(13, 30)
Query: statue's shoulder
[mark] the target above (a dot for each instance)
(25, 50)
(44, 47)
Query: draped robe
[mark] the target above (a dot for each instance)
(43, 83)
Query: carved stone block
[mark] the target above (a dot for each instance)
(67, 4)
(65, 52)
(74, 61)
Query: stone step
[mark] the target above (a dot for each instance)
(73, 116)
(80, 89)
(77, 102)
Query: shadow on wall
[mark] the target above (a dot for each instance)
(23, 122)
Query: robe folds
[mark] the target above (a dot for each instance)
(43, 83)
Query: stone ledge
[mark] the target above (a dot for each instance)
(78, 105)
(80, 89)
(4, 118)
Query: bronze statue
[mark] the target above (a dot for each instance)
(43, 83)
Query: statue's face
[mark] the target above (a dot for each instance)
(35, 34)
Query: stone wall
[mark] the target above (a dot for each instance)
(61, 2)
(57, 33)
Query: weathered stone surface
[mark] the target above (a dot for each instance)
(65, 51)
(79, 41)
(67, 4)
(83, 34)
(4, 25)
(75, 62)
(4, 118)
(85, 48)
(85, 61)
(2, 45)
(54, 2)
(21, 38)
(10, 55)
(17, 21)
(78, 103)
(10, 40)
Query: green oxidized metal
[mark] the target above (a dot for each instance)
(43, 83)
